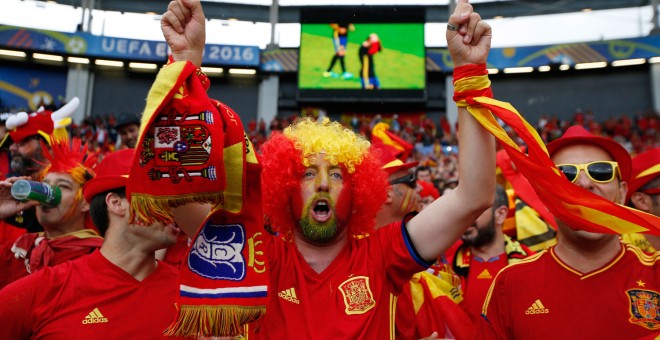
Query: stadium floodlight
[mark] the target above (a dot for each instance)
(111, 63)
(77, 60)
(654, 60)
(142, 66)
(11, 53)
(526, 69)
(628, 62)
(50, 57)
(564, 67)
(586, 66)
(242, 71)
(493, 71)
(213, 70)
(544, 68)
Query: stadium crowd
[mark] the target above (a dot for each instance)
(153, 227)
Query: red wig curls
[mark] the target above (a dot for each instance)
(284, 158)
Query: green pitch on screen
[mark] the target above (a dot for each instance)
(400, 65)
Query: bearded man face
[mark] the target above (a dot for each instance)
(324, 207)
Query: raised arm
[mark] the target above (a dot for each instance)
(184, 28)
(434, 229)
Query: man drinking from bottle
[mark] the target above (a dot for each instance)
(65, 235)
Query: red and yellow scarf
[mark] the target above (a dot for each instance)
(573, 205)
(194, 149)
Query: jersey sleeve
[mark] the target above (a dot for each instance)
(18, 308)
(401, 258)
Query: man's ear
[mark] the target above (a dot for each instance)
(500, 214)
(641, 201)
(390, 190)
(115, 203)
(623, 191)
(84, 206)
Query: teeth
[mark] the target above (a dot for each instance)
(322, 203)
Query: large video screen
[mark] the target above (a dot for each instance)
(361, 60)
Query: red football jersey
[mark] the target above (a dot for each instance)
(481, 275)
(354, 298)
(543, 298)
(88, 298)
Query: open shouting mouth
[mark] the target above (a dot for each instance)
(320, 210)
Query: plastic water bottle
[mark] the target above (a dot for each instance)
(24, 190)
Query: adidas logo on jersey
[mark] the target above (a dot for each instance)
(537, 308)
(289, 295)
(94, 316)
(485, 275)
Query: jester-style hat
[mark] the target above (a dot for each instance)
(42, 122)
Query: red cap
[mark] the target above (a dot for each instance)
(111, 173)
(645, 167)
(428, 189)
(391, 164)
(576, 134)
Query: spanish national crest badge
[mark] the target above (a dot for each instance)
(357, 295)
(180, 146)
(644, 308)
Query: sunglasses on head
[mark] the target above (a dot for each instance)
(599, 172)
(409, 180)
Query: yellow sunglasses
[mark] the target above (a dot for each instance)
(599, 171)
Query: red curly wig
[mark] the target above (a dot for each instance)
(284, 158)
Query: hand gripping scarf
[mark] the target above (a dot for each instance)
(568, 202)
(194, 149)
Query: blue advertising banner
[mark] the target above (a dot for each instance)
(570, 54)
(88, 45)
(25, 89)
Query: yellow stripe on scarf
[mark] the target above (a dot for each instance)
(472, 83)
(167, 78)
(618, 225)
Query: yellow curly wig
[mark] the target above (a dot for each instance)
(339, 144)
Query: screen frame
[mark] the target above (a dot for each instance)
(363, 15)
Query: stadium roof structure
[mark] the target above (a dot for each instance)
(289, 11)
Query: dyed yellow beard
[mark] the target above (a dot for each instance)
(318, 232)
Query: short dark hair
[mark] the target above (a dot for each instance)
(422, 168)
(98, 210)
(126, 119)
(501, 198)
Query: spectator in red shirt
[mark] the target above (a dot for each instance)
(118, 292)
(65, 235)
(316, 193)
(644, 192)
(484, 252)
(612, 286)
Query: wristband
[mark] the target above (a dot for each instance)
(471, 81)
